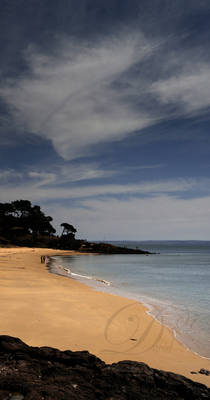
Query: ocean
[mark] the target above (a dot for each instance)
(174, 284)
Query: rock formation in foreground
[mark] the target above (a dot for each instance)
(32, 373)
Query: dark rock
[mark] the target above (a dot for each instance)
(33, 373)
(204, 372)
(107, 248)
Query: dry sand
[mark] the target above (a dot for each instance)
(44, 309)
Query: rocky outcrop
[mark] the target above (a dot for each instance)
(107, 248)
(204, 372)
(32, 373)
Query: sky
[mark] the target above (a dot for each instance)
(104, 115)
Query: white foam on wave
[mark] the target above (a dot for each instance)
(91, 278)
(57, 266)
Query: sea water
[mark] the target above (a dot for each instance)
(174, 284)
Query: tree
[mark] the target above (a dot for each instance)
(21, 223)
(68, 229)
(22, 208)
(40, 224)
(67, 239)
(20, 218)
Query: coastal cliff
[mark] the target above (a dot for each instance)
(28, 373)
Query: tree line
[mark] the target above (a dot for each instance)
(22, 223)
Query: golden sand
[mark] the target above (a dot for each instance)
(44, 309)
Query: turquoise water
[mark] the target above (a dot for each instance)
(174, 284)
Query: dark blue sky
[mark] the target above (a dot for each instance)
(104, 111)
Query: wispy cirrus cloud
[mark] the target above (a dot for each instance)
(10, 175)
(63, 175)
(159, 217)
(39, 192)
(149, 209)
(68, 173)
(74, 97)
(87, 93)
(188, 89)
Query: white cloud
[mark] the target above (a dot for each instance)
(67, 174)
(162, 214)
(159, 217)
(80, 172)
(42, 178)
(72, 98)
(189, 89)
(85, 94)
(9, 174)
(37, 192)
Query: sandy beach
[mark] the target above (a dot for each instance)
(44, 309)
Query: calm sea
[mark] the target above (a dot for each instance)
(174, 284)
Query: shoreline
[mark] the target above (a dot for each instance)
(45, 309)
(54, 268)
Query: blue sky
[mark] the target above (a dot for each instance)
(104, 110)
